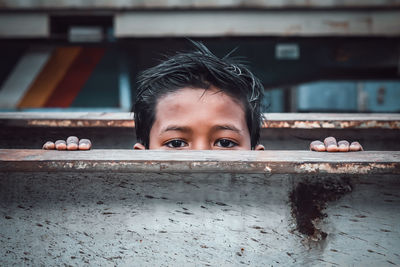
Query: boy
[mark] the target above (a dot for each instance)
(197, 101)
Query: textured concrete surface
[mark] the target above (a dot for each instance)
(164, 219)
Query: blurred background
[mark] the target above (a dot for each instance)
(311, 55)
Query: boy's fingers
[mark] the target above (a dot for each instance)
(356, 146)
(343, 146)
(72, 143)
(49, 145)
(85, 144)
(331, 144)
(61, 145)
(317, 146)
(72, 139)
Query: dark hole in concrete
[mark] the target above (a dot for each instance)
(309, 199)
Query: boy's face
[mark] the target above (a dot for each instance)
(198, 119)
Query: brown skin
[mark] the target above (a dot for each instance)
(72, 143)
(198, 119)
(331, 145)
(85, 144)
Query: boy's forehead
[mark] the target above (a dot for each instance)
(195, 96)
(199, 104)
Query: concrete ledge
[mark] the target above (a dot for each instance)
(268, 162)
(195, 4)
(274, 120)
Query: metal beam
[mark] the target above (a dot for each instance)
(195, 4)
(274, 120)
(257, 23)
(267, 162)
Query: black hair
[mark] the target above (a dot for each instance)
(197, 69)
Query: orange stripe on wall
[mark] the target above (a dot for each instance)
(49, 77)
(75, 78)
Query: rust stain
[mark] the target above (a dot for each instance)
(293, 29)
(308, 201)
(81, 123)
(277, 123)
(344, 25)
(346, 168)
(299, 124)
(334, 124)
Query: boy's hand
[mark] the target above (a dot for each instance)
(72, 143)
(330, 145)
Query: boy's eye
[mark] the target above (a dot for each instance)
(225, 143)
(175, 143)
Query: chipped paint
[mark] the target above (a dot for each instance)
(81, 123)
(294, 124)
(274, 120)
(346, 168)
(267, 169)
(338, 124)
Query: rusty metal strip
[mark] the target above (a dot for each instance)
(267, 162)
(337, 124)
(81, 123)
(274, 121)
(372, 124)
(197, 4)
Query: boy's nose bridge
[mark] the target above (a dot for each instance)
(201, 144)
(201, 147)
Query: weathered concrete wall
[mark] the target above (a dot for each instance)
(196, 3)
(163, 219)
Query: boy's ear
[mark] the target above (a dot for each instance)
(139, 146)
(259, 147)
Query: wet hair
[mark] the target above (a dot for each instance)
(197, 69)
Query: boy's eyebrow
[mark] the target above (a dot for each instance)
(225, 127)
(188, 130)
(176, 128)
